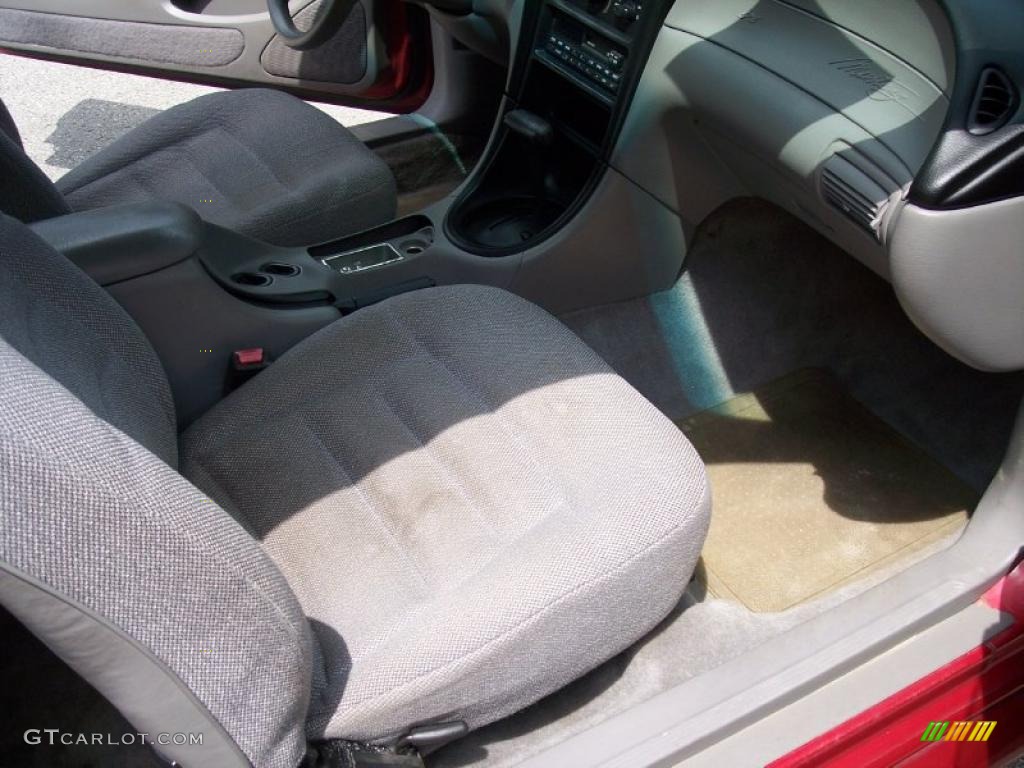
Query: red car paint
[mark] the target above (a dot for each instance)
(408, 78)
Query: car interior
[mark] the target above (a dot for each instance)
(648, 377)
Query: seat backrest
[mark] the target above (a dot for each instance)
(144, 586)
(25, 191)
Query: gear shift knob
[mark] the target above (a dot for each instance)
(531, 127)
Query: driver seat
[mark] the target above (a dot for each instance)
(257, 161)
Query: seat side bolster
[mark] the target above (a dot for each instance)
(149, 694)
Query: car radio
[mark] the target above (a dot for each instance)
(585, 52)
(599, 60)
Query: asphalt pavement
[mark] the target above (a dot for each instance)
(66, 113)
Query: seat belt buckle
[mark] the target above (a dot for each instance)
(246, 363)
(249, 359)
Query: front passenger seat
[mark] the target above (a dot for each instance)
(257, 161)
(437, 509)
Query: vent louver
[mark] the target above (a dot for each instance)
(993, 103)
(852, 192)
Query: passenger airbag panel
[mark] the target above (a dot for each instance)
(870, 86)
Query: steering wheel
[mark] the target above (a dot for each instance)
(320, 30)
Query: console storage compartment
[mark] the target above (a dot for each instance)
(124, 241)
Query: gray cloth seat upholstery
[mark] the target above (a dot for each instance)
(258, 161)
(446, 446)
(442, 507)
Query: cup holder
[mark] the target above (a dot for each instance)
(505, 222)
(413, 246)
(281, 269)
(252, 279)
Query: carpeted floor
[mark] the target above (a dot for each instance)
(764, 296)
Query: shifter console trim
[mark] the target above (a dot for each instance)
(576, 68)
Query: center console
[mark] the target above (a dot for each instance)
(200, 291)
(572, 79)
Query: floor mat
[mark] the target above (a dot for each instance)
(811, 490)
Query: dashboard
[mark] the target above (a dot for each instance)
(824, 107)
(894, 128)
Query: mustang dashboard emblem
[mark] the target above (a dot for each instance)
(882, 86)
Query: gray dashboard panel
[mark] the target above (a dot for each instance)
(872, 87)
(915, 31)
(753, 97)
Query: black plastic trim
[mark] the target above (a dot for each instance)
(991, 78)
(966, 169)
(639, 43)
(123, 242)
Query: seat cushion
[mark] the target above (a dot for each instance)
(258, 161)
(471, 507)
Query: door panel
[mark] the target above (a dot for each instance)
(379, 55)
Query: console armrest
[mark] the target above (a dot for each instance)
(124, 241)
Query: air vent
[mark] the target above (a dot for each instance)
(993, 103)
(848, 189)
